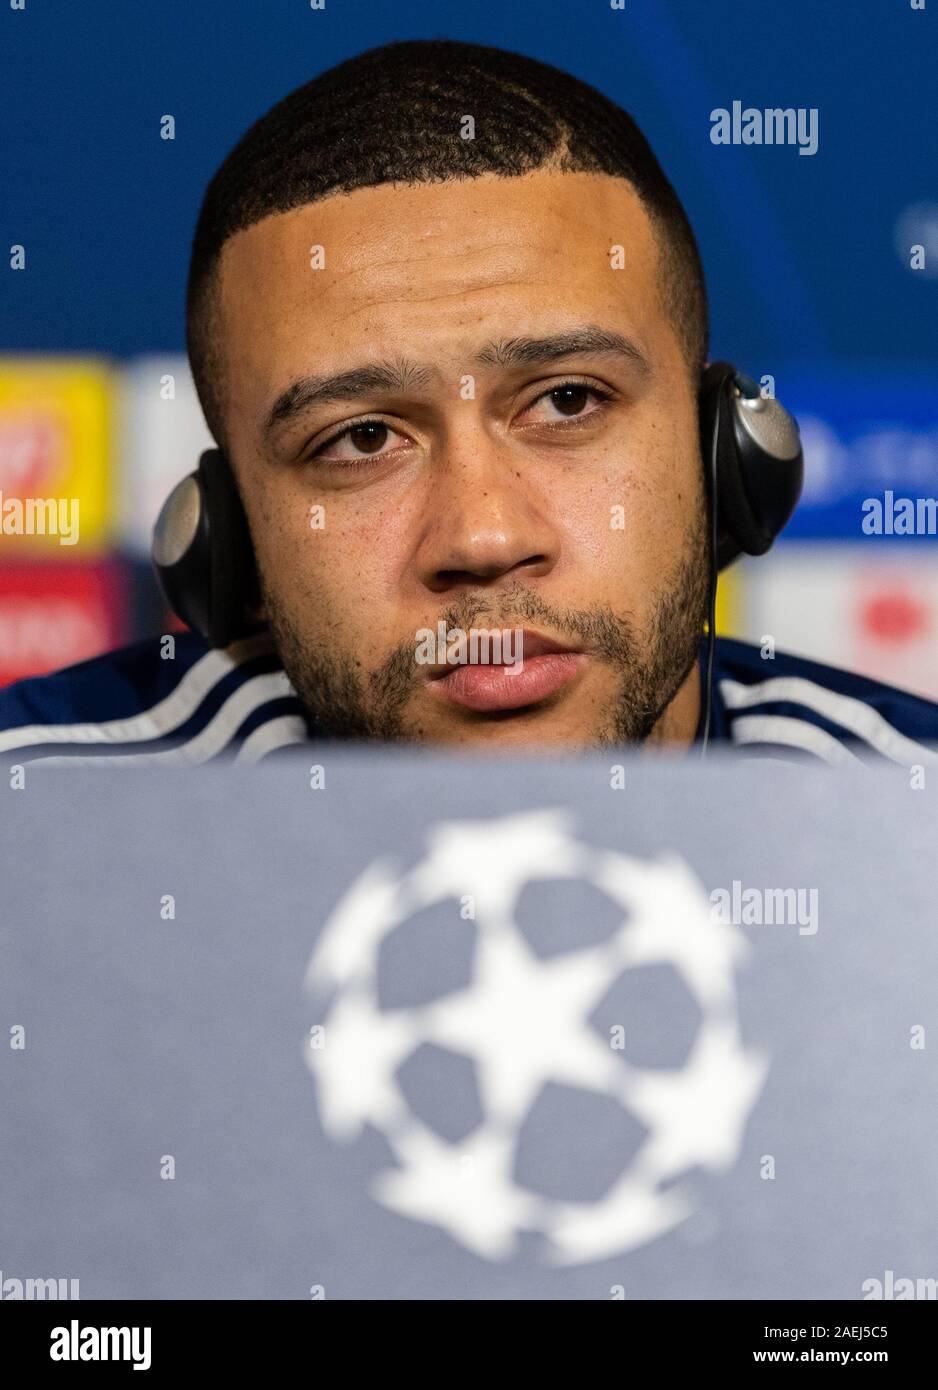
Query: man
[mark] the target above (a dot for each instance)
(448, 324)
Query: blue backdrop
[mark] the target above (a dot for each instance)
(800, 251)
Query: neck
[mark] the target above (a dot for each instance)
(678, 724)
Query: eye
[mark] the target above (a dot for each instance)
(568, 401)
(362, 440)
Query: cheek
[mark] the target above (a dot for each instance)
(628, 519)
(326, 565)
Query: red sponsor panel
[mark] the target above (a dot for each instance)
(894, 624)
(54, 615)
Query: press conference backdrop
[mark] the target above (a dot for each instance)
(821, 257)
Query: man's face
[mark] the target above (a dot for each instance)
(519, 452)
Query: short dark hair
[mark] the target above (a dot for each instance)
(393, 114)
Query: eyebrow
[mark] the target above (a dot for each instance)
(400, 375)
(592, 339)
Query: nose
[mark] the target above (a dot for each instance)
(486, 517)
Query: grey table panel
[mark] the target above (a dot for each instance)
(189, 1036)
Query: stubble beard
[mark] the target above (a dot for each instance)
(340, 703)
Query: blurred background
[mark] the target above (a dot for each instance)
(816, 286)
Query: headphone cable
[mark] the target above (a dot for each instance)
(714, 578)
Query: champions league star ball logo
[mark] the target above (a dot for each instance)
(523, 1022)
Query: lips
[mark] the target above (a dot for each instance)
(547, 666)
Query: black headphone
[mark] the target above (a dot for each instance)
(751, 449)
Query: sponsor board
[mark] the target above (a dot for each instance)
(54, 615)
(870, 611)
(56, 483)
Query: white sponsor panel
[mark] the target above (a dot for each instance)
(874, 611)
(162, 433)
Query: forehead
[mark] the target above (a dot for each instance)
(438, 265)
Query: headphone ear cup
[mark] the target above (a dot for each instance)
(759, 461)
(232, 574)
(203, 555)
(181, 553)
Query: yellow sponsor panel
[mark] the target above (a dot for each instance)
(56, 479)
(728, 611)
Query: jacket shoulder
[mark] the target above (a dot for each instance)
(152, 695)
(118, 684)
(856, 707)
